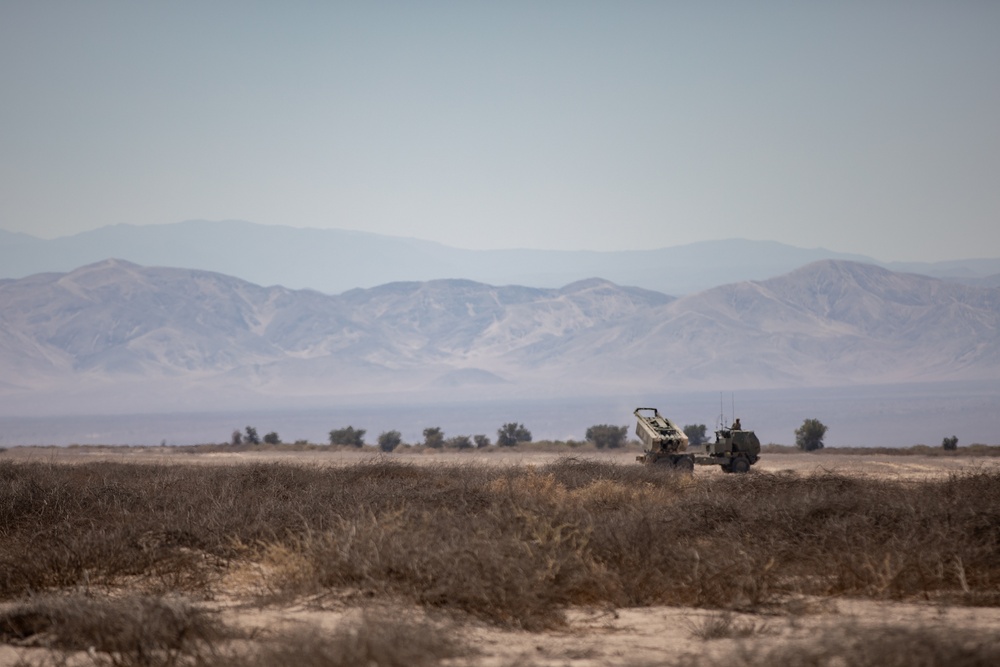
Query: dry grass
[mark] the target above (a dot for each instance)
(131, 631)
(512, 545)
(974, 450)
(138, 631)
(888, 646)
(376, 639)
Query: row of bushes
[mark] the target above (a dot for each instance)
(508, 435)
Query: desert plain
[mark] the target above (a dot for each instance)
(339, 556)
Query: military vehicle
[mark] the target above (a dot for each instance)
(734, 449)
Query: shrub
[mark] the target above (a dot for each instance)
(809, 436)
(389, 440)
(433, 437)
(511, 434)
(377, 639)
(950, 444)
(348, 436)
(251, 436)
(606, 435)
(871, 646)
(460, 442)
(272, 438)
(482, 441)
(137, 630)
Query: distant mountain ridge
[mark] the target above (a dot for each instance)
(334, 261)
(120, 336)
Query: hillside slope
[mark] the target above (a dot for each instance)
(138, 337)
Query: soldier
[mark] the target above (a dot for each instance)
(736, 425)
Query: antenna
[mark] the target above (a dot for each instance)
(732, 397)
(722, 413)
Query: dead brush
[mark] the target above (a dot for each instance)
(130, 631)
(378, 638)
(512, 545)
(869, 646)
(511, 564)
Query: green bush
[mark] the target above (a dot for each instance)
(389, 440)
(809, 436)
(433, 437)
(511, 434)
(607, 436)
(348, 436)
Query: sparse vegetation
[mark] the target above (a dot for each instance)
(147, 631)
(511, 545)
(607, 436)
(809, 436)
(131, 630)
(376, 639)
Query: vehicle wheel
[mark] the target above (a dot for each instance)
(740, 464)
(726, 467)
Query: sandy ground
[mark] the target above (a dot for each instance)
(633, 637)
(646, 636)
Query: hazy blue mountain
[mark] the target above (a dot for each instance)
(114, 336)
(844, 323)
(334, 261)
(985, 281)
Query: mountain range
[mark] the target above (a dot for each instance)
(334, 261)
(118, 337)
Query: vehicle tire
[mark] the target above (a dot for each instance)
(740, 465)
(726, 467)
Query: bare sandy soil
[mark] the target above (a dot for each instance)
(638, 636)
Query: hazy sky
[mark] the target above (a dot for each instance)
(869, 127)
